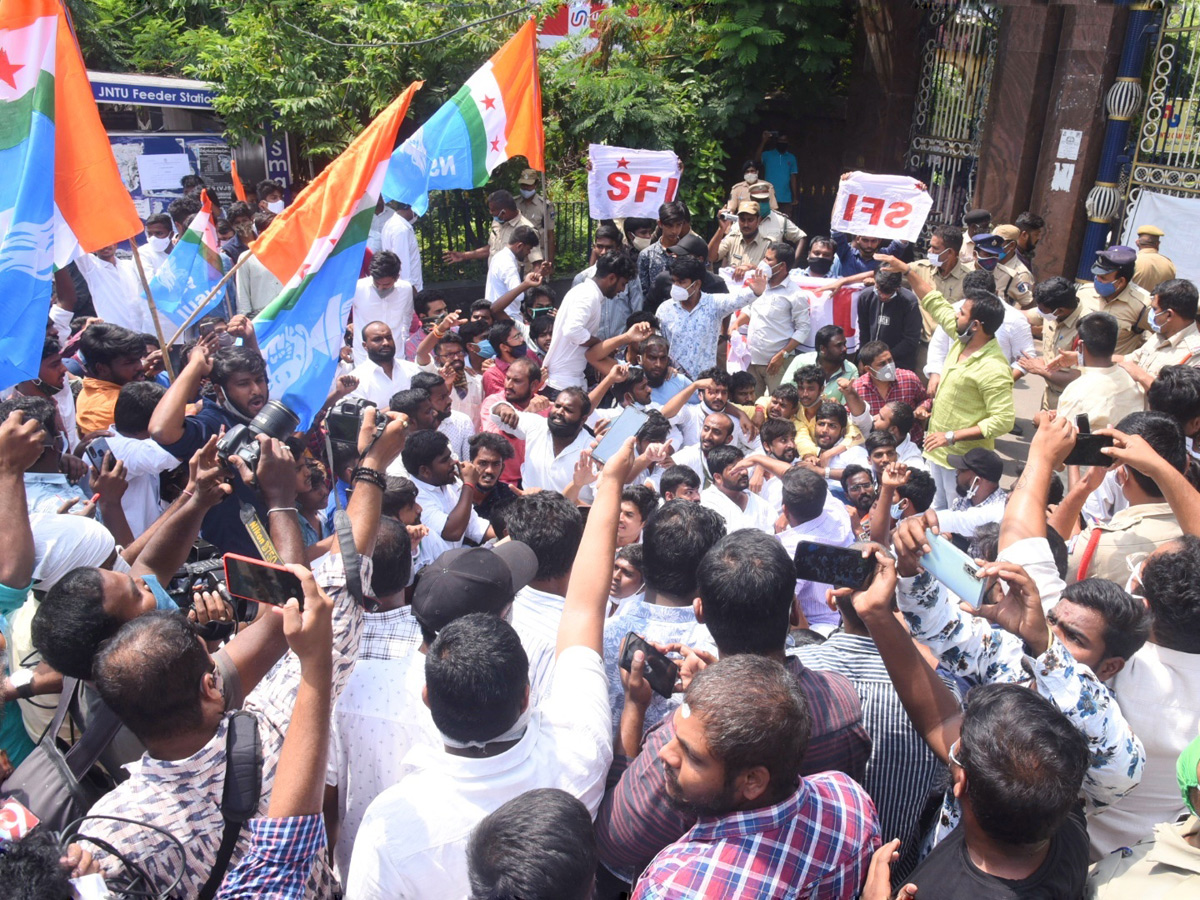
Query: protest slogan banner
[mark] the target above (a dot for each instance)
(624, 182)
(891, 207)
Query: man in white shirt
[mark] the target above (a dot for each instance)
(398, 237)
(257, 285)
(716, 430)
(1104, 391)
(382, 297)
(456, 426)
(381, 375)
(552, 444)
(813, 514)
(574, 343)
(383, 215)
(779, 318)
(730, 496)
(144, 459)
(158, 243)
(115, 287)
(505, 288)
(413, 839)
(552, 527)
(896, 417)
(445, 507)
(832, 422)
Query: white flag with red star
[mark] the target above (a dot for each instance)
(624, 182)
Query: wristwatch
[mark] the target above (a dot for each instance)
(22, 682)
(949, 437)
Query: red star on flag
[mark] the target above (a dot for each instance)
(489, 102)
(8, 70)
(622, 163)
(496, 144)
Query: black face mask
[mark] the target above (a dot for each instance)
(819, 265)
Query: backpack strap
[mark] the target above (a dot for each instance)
(241, 794)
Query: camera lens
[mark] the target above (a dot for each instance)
(275, 420)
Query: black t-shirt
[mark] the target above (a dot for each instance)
(948, 873)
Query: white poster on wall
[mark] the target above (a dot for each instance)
(1178, 217)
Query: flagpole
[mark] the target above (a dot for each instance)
(546, 217)
(164, 347)
(204, 303)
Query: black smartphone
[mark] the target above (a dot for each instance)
(830, 564)
(1086, 451)
(263, 582)
(95, 452)
(661, 671)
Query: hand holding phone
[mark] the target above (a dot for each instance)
(957, 571)
(1088, 446)
(626, 425)
(661, 672)
(842, 567)
(262, 582)
(96, 451)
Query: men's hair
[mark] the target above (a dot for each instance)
(674, 478)
(1171, 584)
(827, 333)
(530, 367)
(523, 234)
(422, 448)
(428, 381)
(609, 232)
(985, 542)
(1028, 221)
(135, 405)
(784, 252)
(541, 325)
(150, 673)
(987, 309)
(262, 220)
(538, 846)
(887, 281)
(878, 439)
(1126, 619)
(804, 493)
(476, 675)
(903, 417)
(822, 241)
(398, 496)
(723, 456)
(1178, 295)
(70, 623)
(40, 408)
(183, 210)
(774, 429)
(235, 210)
(489, 440)
(951, 236)
(542, 291)
(472, 332)
(500, 332)
(1098, 331)
(384, 264)
(1176, 392)
(674, 212)
(551, 525)
(1024, 761)
(267, 186)
(409, 402)
(377, 326)
(787, 392)
(618, 263)
(644, 498)
(979, 280)
(853, 470)
(632, 553)
(30, 868)
(831, 409)
(656, 429)
(424, 298)
(872, 350)
(810, 374)
(674, 540)
(655, 340)
(103, 343)
(686, 267)
(502, 199)
(754, 714)
(158, 219)
(1055, 293)
(585, 402)
(739, 381)
(718, 376)
(919, 490)
(1165, 437)
(237, 361)
(392, 559)
(632, 225)
(450, 338)
(479, 305)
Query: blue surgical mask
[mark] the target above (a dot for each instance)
(897, 512)
(1104, 288)
(162, 600)
(764, 209)
(486, 350)
(1152, 321)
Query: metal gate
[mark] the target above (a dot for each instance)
(958, 44)
(1166, 158)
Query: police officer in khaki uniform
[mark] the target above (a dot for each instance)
(775, 226)
(506, 219)
(1102, 550)
(1058, 305)
(944, 267)
(1112, 291)
(1175, 339)
(1151, 268)
(743, 248)
(539, 211)
(977, 221)
(1014, 281)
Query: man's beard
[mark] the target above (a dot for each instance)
(720, 805)
(562, 429)
(789, 455)
(864, 504)
(656, 380)
(380, 358)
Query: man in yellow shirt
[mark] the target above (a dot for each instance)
(1151, 268)
(114, 358)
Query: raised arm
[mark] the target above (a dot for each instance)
(166, 422)
(367, 499)
(604, 349)
(675, 405)
(21, 444)
(1025, 513)
(1133, 450)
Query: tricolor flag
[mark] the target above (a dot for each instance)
(316, 248)
(191, 271)
(60, 192)
(496, 115)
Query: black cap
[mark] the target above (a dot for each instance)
(1113, 258)
(977, 217)
(983, 462)
(472, 580)
(691, 244)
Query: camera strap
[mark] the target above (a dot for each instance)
(346, 545)
(258, 533)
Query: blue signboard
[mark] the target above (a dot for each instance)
(151, 95)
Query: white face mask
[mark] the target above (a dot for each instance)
(641, 243)
(934, 258)
(751, 177)
(1049, 317)
(886, 373)
(679, 293)
(528, 193)
(159, 244)
(275, 206)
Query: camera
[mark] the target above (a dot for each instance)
(274, 420)
(345, 419)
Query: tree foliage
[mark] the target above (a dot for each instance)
(687, 75)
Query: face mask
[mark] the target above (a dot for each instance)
(518, 351)
(528, 193)
(935, 259)
(886, 373)
(162, 600)
(1049, 317)
(987, 263)
(766, 269)
(384, 292)
(1152, 321)
(275, 206)
(819, 265)
(679, 293)
(897, 512)
(496, 220)
(764, 209)
(640, 243)
(967, 333)
(968, 492)
(486, 350)
(158, 243)
(1104, 288)
(751, 178)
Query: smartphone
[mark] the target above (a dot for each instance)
(830, 564)
(262, 582)
(661, 671)
(957, 571)
(95, 452)
(1086, 451)
(624, 426)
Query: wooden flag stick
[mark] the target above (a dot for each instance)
(164, 347)
(204, 303)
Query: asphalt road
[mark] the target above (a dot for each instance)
(1014, 449)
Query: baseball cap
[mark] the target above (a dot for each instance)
(983, 462)
(747, 207)
(1113, 258)
(691, 244)
(977, 217)
(1008, 232)
(529, 176)
(1152, 230)
(469, 580)
(989, 244)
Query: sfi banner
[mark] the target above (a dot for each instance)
(624, 182)
(891, 207)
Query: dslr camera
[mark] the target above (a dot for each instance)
(274, 420)
(345, 419)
